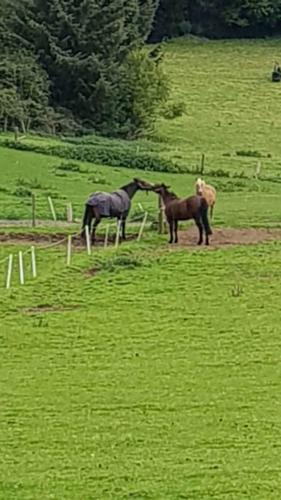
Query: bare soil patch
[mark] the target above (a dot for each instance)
(44, 239)
(223, 237)
(47, 308)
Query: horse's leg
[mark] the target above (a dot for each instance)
(200, 228)
(123, 227)
(176, 230)
(171, 225)
(212, 210)
(87, 219)
(205, 222)
(95, 225)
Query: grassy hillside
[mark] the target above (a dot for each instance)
(147, 372)
(232, 105)
(151, 379)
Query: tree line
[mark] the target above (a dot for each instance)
(217, 18)
(75, 66)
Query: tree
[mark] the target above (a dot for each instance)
(144, 91)
(82, 46)
(23, 90)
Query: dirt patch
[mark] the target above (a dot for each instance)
(47, 308)
(44, 239)
(187, 238)
(229, 237)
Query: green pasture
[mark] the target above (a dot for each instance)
(151, 372)
(241, 202)
(156, 377)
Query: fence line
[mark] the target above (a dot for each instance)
(68, 239)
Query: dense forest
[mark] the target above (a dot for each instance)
(83, 65)
(217, 18)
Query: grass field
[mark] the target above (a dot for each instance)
(151, 372)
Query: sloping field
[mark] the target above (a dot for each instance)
(143, 374)
(152, 372)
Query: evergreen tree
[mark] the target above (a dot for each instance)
(82, 45)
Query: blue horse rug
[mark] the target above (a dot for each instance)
(113, 204)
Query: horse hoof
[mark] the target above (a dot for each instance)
(199, 243)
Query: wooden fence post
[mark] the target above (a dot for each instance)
(202, 164)
(33, 210)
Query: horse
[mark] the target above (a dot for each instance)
(208, 192)
(112, 205)
(176, 209)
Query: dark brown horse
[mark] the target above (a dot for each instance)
(176, 209)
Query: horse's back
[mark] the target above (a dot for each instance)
(184, 208)
(113, 204)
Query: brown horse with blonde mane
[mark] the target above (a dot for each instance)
(178, 209)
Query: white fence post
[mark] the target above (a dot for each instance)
(9, 272)
(69, 212)
(106, 236)
(117, 240)
(33, 263)
(69, 243)
(88, 241)
(258, 170)
(142, 226)
(21, 270)
(52, 208)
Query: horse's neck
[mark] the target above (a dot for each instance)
(131, 189)
(167, 198)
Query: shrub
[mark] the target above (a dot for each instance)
(116, 157)
(174, 110)
(69, 167)
(252, 154)
(22, 192)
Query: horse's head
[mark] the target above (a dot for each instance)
(160, 188)
(143, 185)
(200, 184)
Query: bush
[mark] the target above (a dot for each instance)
(251, 154)
(22, 192)
(174, 110)
(69, 167)
(116, 157)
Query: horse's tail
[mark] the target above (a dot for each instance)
(204, 216)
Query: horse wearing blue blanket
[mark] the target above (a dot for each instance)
(113, 205)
